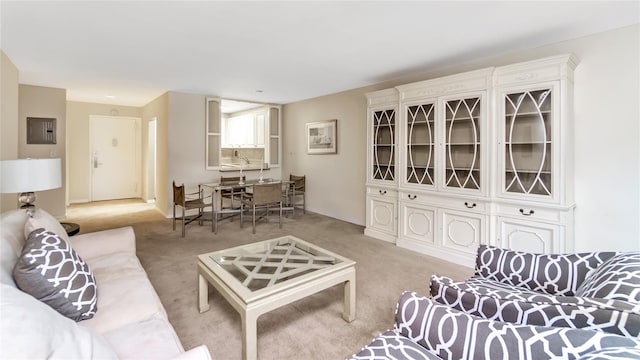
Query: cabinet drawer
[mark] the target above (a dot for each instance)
(451, 203)
(383, 192)
(530, 212)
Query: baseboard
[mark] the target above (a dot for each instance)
(380, 235)
(78, 201)
(464, 259)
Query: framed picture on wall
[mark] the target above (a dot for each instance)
(322, 137)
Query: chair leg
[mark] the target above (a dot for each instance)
(293, 202)
(304, 207)
(183, 220)
(280, 216)
(241, 214)
(174, 217)
(254, 219)
(214, 220)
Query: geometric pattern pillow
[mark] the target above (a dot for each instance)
(51, 271)
(554, 274)
(616, 279)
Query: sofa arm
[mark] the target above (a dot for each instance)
(554, 274)
(104, 242)
(452, 334)
(197, 353)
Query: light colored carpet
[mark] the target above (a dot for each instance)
(311, 328)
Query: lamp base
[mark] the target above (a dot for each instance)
(26, 200)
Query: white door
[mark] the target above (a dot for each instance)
(417, 224)
(382, 215)
(462, 231)
(115, 157)
(529, 236)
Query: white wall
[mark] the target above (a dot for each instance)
(607, 139)
(9, 122)
(38, 101)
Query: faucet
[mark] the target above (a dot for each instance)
(246, 160)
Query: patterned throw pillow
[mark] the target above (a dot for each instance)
(616, 279)
(51, 271)
(553, 274)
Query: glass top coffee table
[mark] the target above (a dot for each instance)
(263, 276)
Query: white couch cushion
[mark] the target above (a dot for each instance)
(124, 301)
(32, 330)
(11, 243)
(115, 266)
(150, 339)
(42, 219)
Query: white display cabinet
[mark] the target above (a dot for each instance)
(443, 160)
(535, 198)
(483, 157)
(382, 194)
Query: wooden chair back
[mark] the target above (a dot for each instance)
(178, 194)
(298, 182)
(267, 193)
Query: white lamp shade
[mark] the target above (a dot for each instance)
(28, 175)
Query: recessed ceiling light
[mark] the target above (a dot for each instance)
(110, 96)
(259, 91)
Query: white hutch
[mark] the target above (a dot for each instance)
(483, 157)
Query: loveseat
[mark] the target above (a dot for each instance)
(593, 290)
(426, 329)
(522, 306)
(115, 312)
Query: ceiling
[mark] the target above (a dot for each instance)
(129, 53)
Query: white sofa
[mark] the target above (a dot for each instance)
(130, 321)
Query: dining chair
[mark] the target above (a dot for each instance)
(231, 194)
(188, 201)
(297, 193)
(264, 196)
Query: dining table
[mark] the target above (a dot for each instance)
(238, 188)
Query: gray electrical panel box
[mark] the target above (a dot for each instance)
(41, 130)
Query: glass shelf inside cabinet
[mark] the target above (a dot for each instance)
(383, 144)
(462, 143)
(420, 144)
(528, 141)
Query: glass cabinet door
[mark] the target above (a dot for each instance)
(213, 140)
(384, 122)
(528, 140)
(462, 143)
(420, 144)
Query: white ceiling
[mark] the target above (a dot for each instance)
(135, 51)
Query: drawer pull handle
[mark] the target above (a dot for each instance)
(469, 206)
(412, 197)
(531, 212)
(383, 192)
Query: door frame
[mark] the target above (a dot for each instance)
(138, 150)
(151, 169)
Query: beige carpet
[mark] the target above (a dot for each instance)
(311, 328)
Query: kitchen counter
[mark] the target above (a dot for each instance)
(236, 167)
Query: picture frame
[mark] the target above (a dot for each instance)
(322, 137)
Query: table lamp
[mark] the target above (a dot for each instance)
(25, 176)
